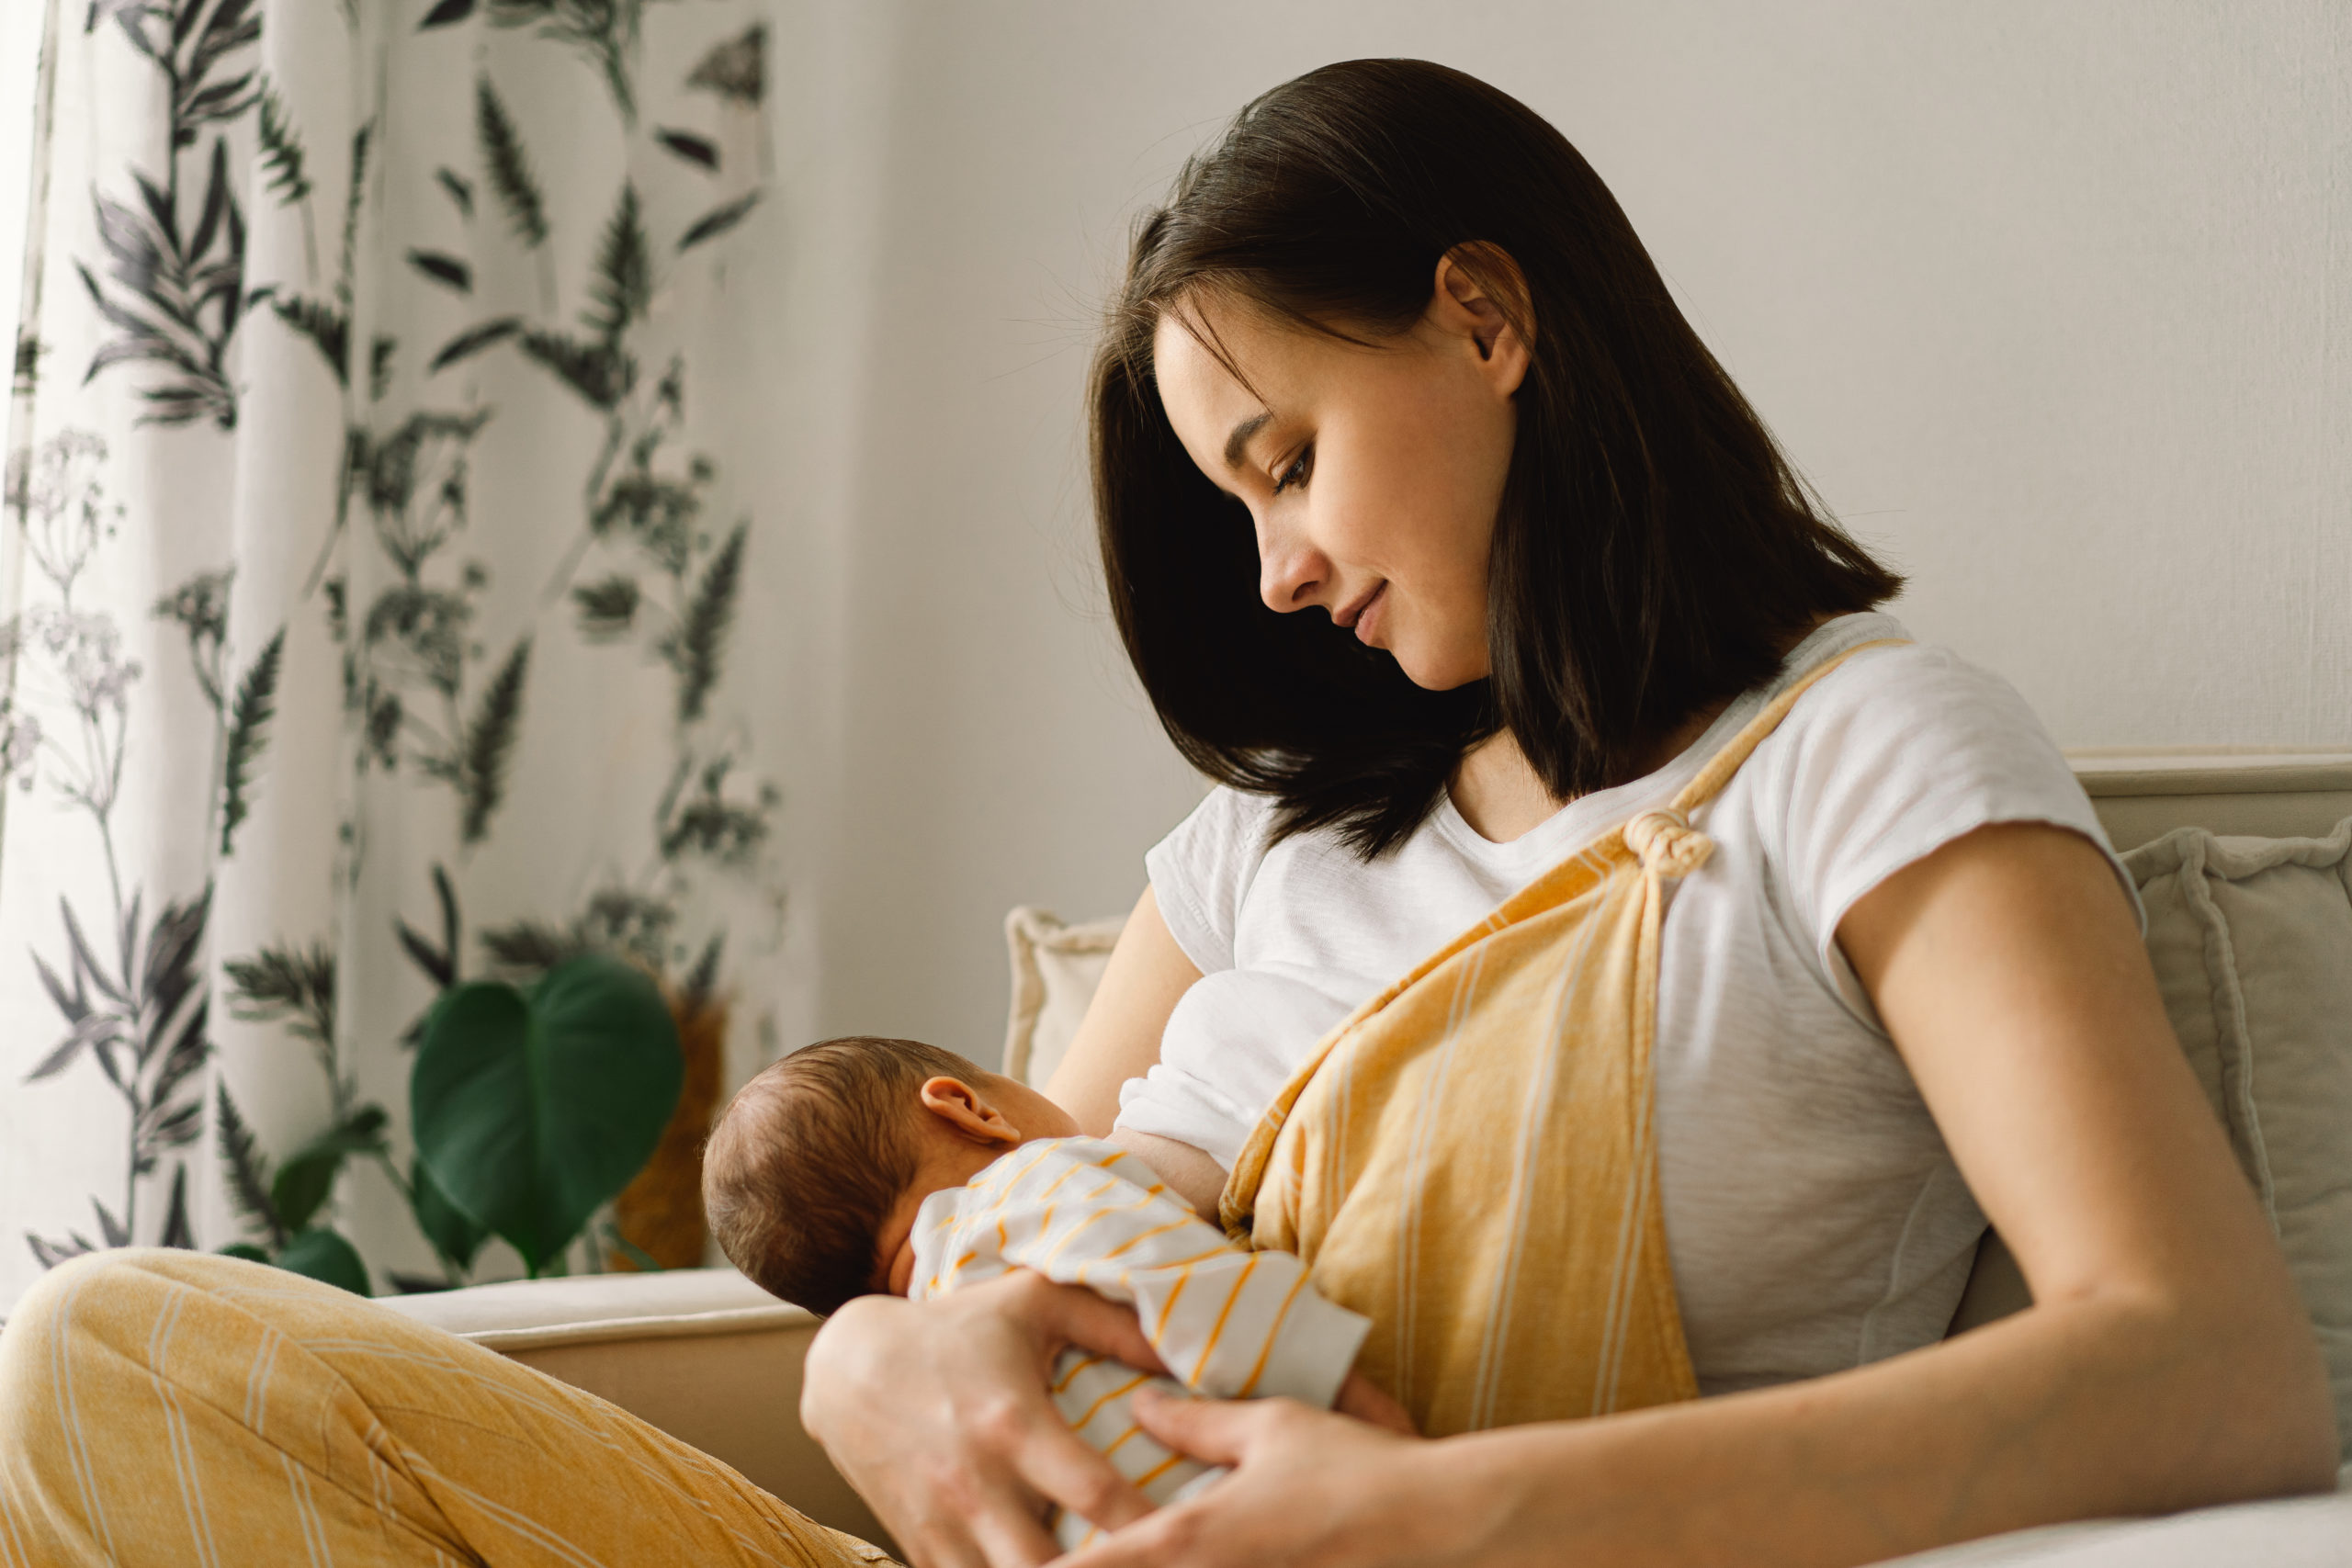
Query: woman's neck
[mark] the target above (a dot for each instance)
(1497, 790)
(1498, 793)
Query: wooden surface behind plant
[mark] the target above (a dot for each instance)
(660, 1213)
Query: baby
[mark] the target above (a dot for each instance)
(864, 1166)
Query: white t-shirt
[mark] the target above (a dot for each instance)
(1815, 1220)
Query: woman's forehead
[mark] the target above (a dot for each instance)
(1199, 388)
(1220, 361)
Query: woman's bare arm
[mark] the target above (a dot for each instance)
(2166, 1363)
(1119, 1037)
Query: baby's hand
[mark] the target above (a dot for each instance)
(1366, 1401)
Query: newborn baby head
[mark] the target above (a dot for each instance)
(813, 1175)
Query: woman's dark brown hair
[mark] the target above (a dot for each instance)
(1655, 552)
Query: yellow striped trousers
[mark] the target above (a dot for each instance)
(173, 1409)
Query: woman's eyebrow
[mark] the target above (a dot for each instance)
(1240, 439)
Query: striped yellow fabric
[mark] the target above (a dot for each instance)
(164, 1408)
(1470, 1159)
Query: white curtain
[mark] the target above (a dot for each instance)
(369, 568)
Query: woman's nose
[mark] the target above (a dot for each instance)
(1291, 571)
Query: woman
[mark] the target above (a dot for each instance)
(1393, 354)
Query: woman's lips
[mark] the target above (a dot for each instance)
(1367, 614)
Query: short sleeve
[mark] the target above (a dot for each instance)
(1892, 758)
(1200, 871)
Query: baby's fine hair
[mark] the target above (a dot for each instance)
(811, 1156)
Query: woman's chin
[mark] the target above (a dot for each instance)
(1437, 672)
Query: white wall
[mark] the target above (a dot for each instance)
(2054, 303)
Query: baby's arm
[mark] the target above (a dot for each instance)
(1226, 1321)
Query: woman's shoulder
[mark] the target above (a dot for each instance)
(1201, 870)
(1899, 751)
(1903, 707)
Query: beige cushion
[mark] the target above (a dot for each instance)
(703, 1354)
(2252, 939)
(1055, 968)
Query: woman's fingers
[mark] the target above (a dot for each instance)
(1307, 1487)
(1074, 1315)
(1215, 1431)
(937, 1412)
(1367, 1401)
(1005, 1539)
(1055, 1461)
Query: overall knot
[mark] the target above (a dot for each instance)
(1666, 842)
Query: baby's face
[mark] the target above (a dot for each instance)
(961, 1129)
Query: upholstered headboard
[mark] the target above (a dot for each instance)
(2143, 795)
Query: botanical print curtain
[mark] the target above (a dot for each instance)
(366, 587)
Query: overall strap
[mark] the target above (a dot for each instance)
(1725, 763)
(1664, 838)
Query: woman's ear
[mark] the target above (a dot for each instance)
(1481, 296)
(959, 1105)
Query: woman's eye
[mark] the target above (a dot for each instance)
(1297, 471)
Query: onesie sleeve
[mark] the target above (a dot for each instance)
(1228, 1323)
(1202, 868)
(1892, 758)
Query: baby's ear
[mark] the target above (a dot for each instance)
(962, 1107)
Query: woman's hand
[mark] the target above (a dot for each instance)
(1367, 1401)
(1309, 1489)
(938, 1413)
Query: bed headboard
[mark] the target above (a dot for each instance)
(2274, 794)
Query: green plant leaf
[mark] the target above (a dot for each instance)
(704, 634)
(327, 328)
(245, 1250)
(257, 703)
(321, 1254)
(443, 270)
(248, 1171)
(718, 221)
(489, 741)
(608, 609)
(282, 983)
(178, 1231)
(307, 1175)
(472, 341)
(694, 149)
(736, 70)
(509, 166)
(461, 189)
(452, 1231)
(281, 147)
(533, 1110)
(622, 288)
(354, 197)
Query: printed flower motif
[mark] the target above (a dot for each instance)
(19, 741)
(62, 502)
(87, 650)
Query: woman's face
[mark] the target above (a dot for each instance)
(1372, 475)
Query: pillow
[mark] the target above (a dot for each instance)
(2252, 939)
(1054, 970)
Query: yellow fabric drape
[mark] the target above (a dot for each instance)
(1470, 1160)
(166, 1409)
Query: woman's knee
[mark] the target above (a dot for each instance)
(110, 1299)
